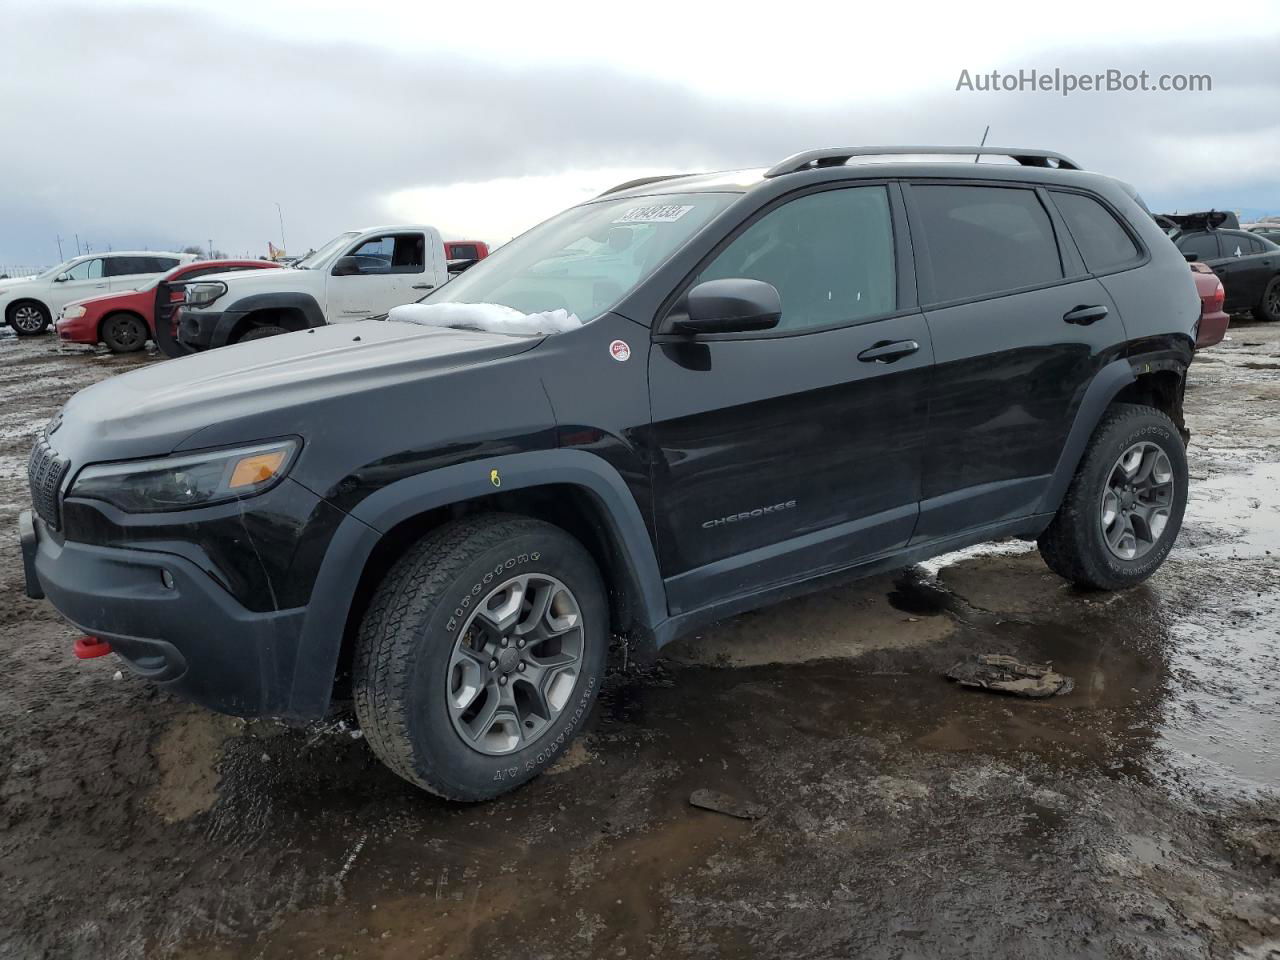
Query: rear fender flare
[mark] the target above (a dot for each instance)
(1106, 384)
(358, 535)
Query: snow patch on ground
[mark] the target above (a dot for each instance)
(491, 317)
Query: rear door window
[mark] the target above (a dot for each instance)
(1103, 242)
(125, 266)
(829, 254)
(984, 241)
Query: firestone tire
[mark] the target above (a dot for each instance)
(124, 333)
(1075, 544)
(442, 603)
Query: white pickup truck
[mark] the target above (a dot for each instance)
(358, 274)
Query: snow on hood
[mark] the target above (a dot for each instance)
(491, 317)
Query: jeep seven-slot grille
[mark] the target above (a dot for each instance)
(46, 471)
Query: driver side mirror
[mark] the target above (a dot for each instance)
(1191, 257)
(734, 305)
(62, 278)
(346, 267)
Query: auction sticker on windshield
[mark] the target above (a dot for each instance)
(665, 213)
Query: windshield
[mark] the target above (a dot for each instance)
(587, 258)
(316, 256)
(54, 271)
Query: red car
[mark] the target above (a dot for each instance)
(125, 321)
(1213, 319)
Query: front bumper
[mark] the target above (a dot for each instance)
(76, 331)
(169, 621)
(196, 328)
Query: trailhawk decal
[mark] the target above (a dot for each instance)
(620, 350)
(749, 514)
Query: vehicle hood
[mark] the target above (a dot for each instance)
(101, 298)
(240, 282)
(14, 282)
(266, 388)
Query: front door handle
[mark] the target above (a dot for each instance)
(424, 286)
(888, 351)
(1085, 315)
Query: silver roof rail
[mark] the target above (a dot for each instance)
(839, 156)
(640, 182)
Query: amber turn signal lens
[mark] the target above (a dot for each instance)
(256, 469)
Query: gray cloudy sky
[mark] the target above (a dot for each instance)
(163, 124)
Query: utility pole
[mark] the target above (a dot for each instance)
(60, 256)
(280, 213)
(77, 244)
(210, 249)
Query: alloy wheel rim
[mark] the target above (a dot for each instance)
(127, 334)
(1137, 501)
(515, 664)
(27, 318)
(1273, 299)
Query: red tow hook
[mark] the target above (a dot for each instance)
(89, 647)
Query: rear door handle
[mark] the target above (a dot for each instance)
(1085, 315)
(888, 352)
(424, 286)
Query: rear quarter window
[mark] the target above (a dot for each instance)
(1103, 242)
(984, 241)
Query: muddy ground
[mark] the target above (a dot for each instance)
(1138, 816)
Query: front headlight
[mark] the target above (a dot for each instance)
(74, 312)
(203, 294)
(189, 480)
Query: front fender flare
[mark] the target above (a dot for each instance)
(358, 535)
(312, 315)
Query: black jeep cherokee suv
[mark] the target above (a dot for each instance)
(820, 370)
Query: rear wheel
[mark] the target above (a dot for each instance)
(1268, 307)
(257, 333)
(1124, 507)
(481, 654)
(28, 318)
(124, 333)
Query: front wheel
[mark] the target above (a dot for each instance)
(258, 333)
(481, 655)
(124, 333)
(1124, 507)
(28, 318)
(1268, 307)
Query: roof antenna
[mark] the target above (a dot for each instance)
(983, 143)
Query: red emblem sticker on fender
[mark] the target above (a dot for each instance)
(619, 350)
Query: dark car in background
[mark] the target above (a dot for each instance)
(1247, 264)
